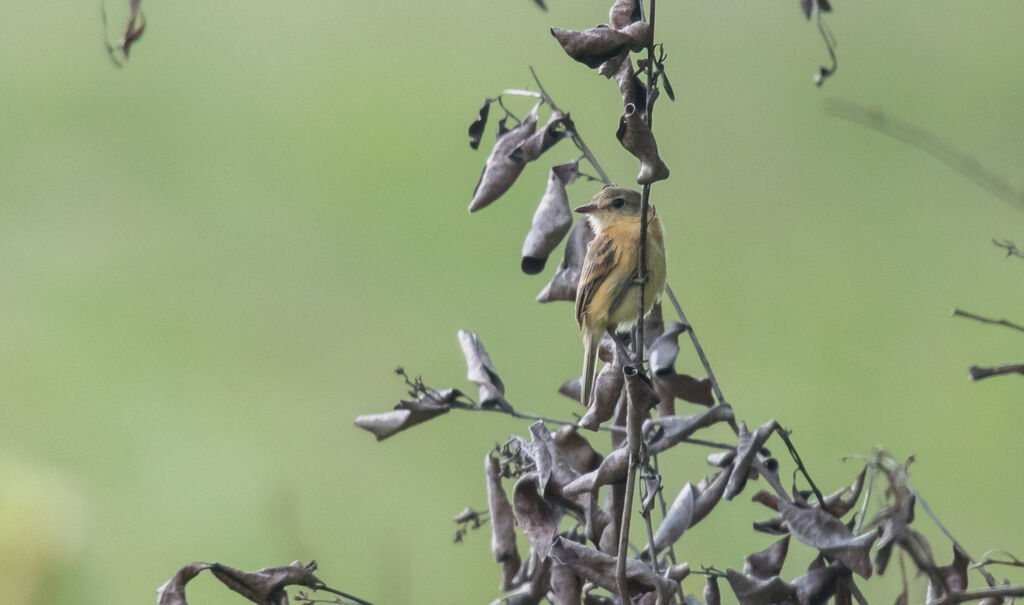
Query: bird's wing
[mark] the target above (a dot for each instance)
(598, 264)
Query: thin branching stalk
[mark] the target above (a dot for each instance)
(638, 343)
(575, 136)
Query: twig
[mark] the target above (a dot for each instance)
(867, 498)
(474, 407)
(979, 373)
(986, 320)
(985, 560)
(825, 73)
(982, 593)
(929, 143)
(344, 594)
(576, 138)
(784, 434)
(1010, 247)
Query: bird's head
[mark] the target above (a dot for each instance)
(610, 205)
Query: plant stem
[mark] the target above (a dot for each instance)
(638, 343)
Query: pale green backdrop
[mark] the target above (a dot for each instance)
(212, 260)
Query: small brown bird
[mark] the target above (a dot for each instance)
(606, 296)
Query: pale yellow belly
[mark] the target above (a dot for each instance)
(624, 314)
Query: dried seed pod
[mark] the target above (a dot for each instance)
(537, 517)
(503, 535)
(407, 414)
(476, 129)
(563, 285)
(501, 170)
(480, 370)
(607, 389)
(551, 221)
(665, 349)
(594, 46)
(636, 137)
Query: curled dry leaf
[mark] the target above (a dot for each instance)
(750, 590)
(407, 414)
(654, 326)
(572, 389)
(690, 507)
(563, 285)
(624, 12)
(640, 393)
(556, 469)
(722, 459)
(818, 585)
(678, 428)
(607, 390)
(577, 450)
(537, 517)
(481, 371)
(558, 127)
(551, 221)
(665, 349)
(820, 530)
(954, 575)
(838, 503)
(501, 171)
(687, 388)
(678, 518)
(612, 470)
(173, 590)
(476, 129)
(841, 501)
(565, 584)
(594, 46)
(133, 31)
(599, 568)
(632, 89)
(710, 495)
(267, 586)
(503, 535)
(748, 447)
(768, 562)
(636, 137)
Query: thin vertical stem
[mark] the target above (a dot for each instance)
(638, 344)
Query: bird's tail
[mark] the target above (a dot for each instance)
(591, 342)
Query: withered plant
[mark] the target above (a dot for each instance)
(575, 504)
(573, 488)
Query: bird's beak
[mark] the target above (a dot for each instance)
(585, 208)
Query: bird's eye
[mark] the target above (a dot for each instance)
(618, 202)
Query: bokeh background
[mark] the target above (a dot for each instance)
(212, 260)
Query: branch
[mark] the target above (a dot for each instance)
(986, 320)
(980, 373)
(929, 143)
(1010, 247)
(638, 342)
(982, 593)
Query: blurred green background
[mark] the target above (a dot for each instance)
(212, 260)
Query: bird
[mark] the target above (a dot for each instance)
(606, 296)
